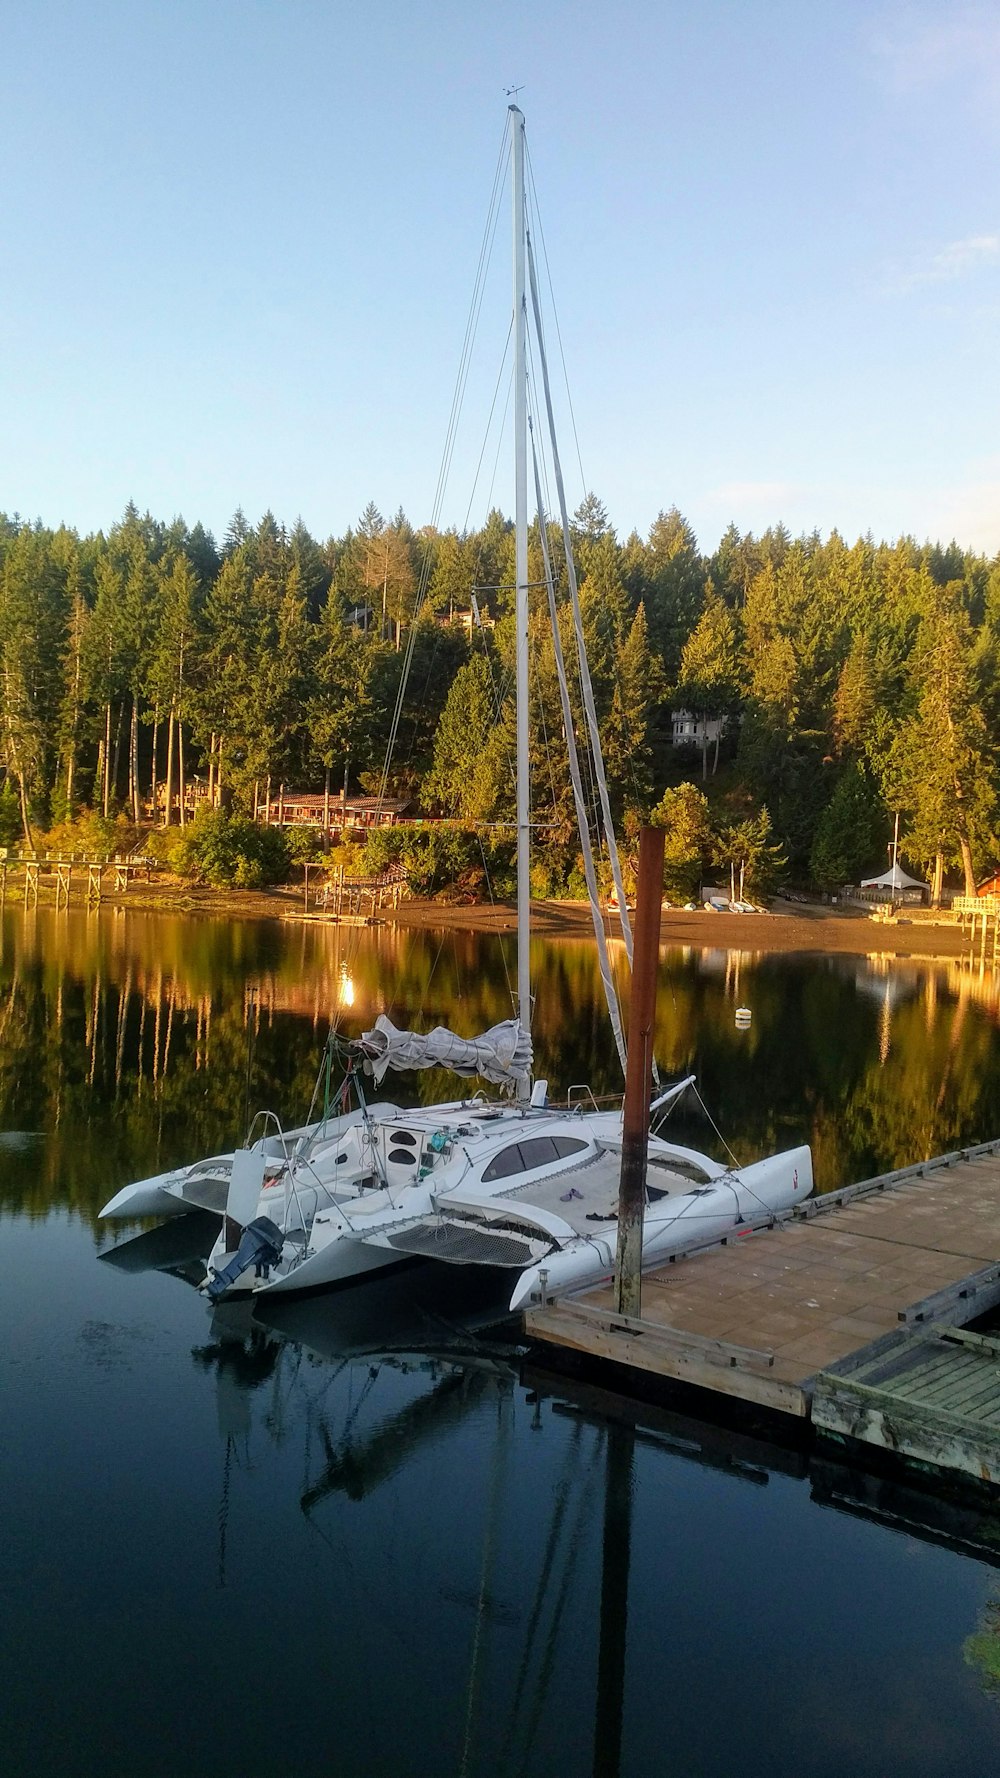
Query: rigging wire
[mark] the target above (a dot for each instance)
(461, 381)
(472, 322)
(489, 422)
(536, 212)
(595, 739)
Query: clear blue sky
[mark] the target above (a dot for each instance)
(238, 244)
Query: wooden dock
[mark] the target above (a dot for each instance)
(93, 878)
(824, 1314)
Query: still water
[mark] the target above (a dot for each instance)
(362, 1538)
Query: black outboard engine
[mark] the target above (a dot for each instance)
(260, 1246)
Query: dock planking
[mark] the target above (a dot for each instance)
(933, 1395)
(769, 1316)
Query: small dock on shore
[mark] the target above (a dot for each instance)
(351, 901)
(847, 1315)
(92, 879)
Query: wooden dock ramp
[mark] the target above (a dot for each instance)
(767, 1316)
(933, 1396)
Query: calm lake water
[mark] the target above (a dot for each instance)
(361, 1538)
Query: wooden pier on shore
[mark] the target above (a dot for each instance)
(93, 878)
(979, 918)
(352, 901)
(846, 1314)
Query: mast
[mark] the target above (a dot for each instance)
(521, 574)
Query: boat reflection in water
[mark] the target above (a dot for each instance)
(470, 1365)
(518, 1507)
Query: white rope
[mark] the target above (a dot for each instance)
(614, 1010)
(588, 690)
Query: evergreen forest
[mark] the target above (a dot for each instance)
(845, 684)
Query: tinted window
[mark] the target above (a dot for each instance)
(403, 1155)
(507, 1162)
(405, 1137)
(538, 1151)
(567, 1145)
(533, 1152)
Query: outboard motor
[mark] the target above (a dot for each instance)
(260, 1246)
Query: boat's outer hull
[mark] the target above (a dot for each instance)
(697, 1219)
(147, 1197)
(337, 1263)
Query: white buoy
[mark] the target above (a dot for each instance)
(743, 1018)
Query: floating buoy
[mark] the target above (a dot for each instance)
(743, 1018)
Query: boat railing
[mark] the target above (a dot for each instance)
(269, 1121)
(580, 1095)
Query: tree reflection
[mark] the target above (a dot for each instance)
(126, 1040)
(982, 1648)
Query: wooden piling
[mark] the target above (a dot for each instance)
(638, 1074)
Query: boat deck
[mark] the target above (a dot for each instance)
(766, 1315)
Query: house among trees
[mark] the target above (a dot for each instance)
(295, 808)
(689, 730)
(990, 885)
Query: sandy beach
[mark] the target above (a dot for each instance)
(789, 927)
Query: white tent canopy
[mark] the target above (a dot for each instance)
(892, 879)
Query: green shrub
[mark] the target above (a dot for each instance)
(91, 835)
(224, 849)
(549, 870)
(305, 844)
(442, 856)
(10, 815)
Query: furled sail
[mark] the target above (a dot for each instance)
(502, 1054)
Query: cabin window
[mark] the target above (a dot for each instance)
(403, 1157)
(532, 1153)
(567, 1145)
(504, 1164)
(405, 1137)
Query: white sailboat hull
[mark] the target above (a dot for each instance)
(149, 1197)
(769, 1186)
(339, 1263)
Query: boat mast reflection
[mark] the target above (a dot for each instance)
(299, 1374)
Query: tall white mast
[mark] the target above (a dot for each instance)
(521, 575)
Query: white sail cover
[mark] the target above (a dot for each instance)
(502, 1054)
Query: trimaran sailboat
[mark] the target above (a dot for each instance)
(517, 1182)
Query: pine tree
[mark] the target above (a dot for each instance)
(850, 832)
(470, 768)
(709, 671)
(683, 811)
(675, 576)
(754, 860)
(943, 767)
(626, 738)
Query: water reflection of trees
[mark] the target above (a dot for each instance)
(548, 1561)
(125, 1039)
(982, 1648)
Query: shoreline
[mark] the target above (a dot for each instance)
(791, 926)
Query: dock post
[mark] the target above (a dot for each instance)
(638, 1072)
